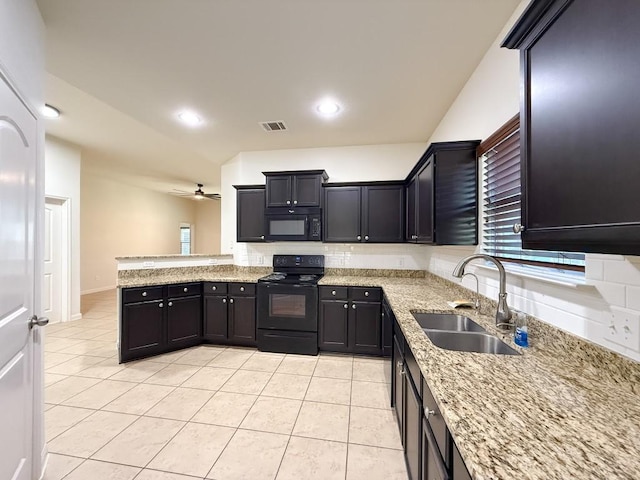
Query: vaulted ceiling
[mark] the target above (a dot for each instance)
(121, 70)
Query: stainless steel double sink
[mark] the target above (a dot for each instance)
(459, 333)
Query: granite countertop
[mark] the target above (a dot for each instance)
(209, 273)
(176, 255)
(564, 409)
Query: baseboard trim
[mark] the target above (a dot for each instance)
(77, 316)
(97, 290)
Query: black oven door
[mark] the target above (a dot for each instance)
(287, 307)
(287, 227)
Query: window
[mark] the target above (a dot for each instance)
(185, 240)
(500, 155)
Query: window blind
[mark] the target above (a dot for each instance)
(502, 193)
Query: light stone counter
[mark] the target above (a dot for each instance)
(209, 273)
(564, 409)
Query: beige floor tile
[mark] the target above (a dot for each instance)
(56, 327)
(87, 334)
(209, 378)
(200, 356)
(110, 336)
(265, 451)
(263, 362)
(105, 369)
(52, 359)
(67, 332)
(139, 399)
(275, 415)
(180, 404)
(287, 386)
(138, 371)
(313, 459)
(58, 466)
(60, 418)
(232, 358)
(91, 434)
(374, 427)
(372, 371)
(100, 394)
(329, 390)
(51, 378)
(194, 450)
(374, 463)
(53, 344)
(169, 357)
(371, 394)
(94, 470)
(334, 367)
(148, 474)
(225, 409)
(48, 406)
(140, 442)
(172, 375)
(75, 365)
(93, 348)
(298, 365)
(246, 381)
(324, 421)
(67, 388)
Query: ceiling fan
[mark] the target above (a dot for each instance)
(198, 194)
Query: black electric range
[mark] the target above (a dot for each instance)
(288, 305)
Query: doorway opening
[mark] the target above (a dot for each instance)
(56, 286)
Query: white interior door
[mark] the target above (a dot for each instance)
(53, 248)
(18, 157)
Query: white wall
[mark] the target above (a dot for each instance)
(343, 164)
(62, 179)
(487, 101)
(207, 228)
(118, 219)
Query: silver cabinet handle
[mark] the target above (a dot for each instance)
(288, 202)
(171, 304)
(353, 306)
(34, 321)
(185, 289)
(291, 211)
(333, 292)
(261, 237)
(224, 300)
(366, 237)
(414, 237)
(518, 228)
(242, 289)
(399, 364)
(428, 413)
(161, 304)
(214, 288)
(359, 237)
(403, 371)
(231, 300)
(295, 202)
(144, 294)
(346, 305)
(366, 294)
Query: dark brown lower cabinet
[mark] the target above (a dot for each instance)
(397, 384)
(215, 324)
(433, 468)
(458, 468)
(333, 328)
(142, 330)
(184, 322)
(412, 427)
(242, 320)
(229, 313)
(365, 323)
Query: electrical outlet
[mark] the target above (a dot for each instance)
(260, 259)
(148, 264)
(400, 262)
(213, 261)
(624, 328)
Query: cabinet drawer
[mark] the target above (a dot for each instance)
(185, 290)
(438, 426)
(334, 293)
(141, 294)
(366, 294)
(242, 289)
(432, 465)
(214, 288)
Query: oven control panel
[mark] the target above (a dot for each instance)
(305, 261)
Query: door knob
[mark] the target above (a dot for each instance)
(35, 321)
(518, 228)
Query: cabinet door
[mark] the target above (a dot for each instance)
(424, 203)
(306, 190)
(459, 469)
(242, 320)
(278, 191)
(142, 330)
(411, 234)
(215, 325)
(184, 322)
(388, 319)
(383, 213)
(412, 428)
(250, 215)
(333, 331)
(341, 214)
(397, 385)
(365, 328)
(433, 468)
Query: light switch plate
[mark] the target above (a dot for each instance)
(624, 328)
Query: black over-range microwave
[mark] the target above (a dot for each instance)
(288, 224)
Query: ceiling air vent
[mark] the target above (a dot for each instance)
(273, 126)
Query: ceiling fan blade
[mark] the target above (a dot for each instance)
(213, 196)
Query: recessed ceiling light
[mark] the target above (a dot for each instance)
(190, 118)
(50, 112)
(328, 108)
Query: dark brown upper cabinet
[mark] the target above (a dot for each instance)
(364, 212)
(300, 188)
(442, 195)
(579, 114)
(250, 201)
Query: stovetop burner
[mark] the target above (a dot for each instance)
(296, 269)
(291, 278)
